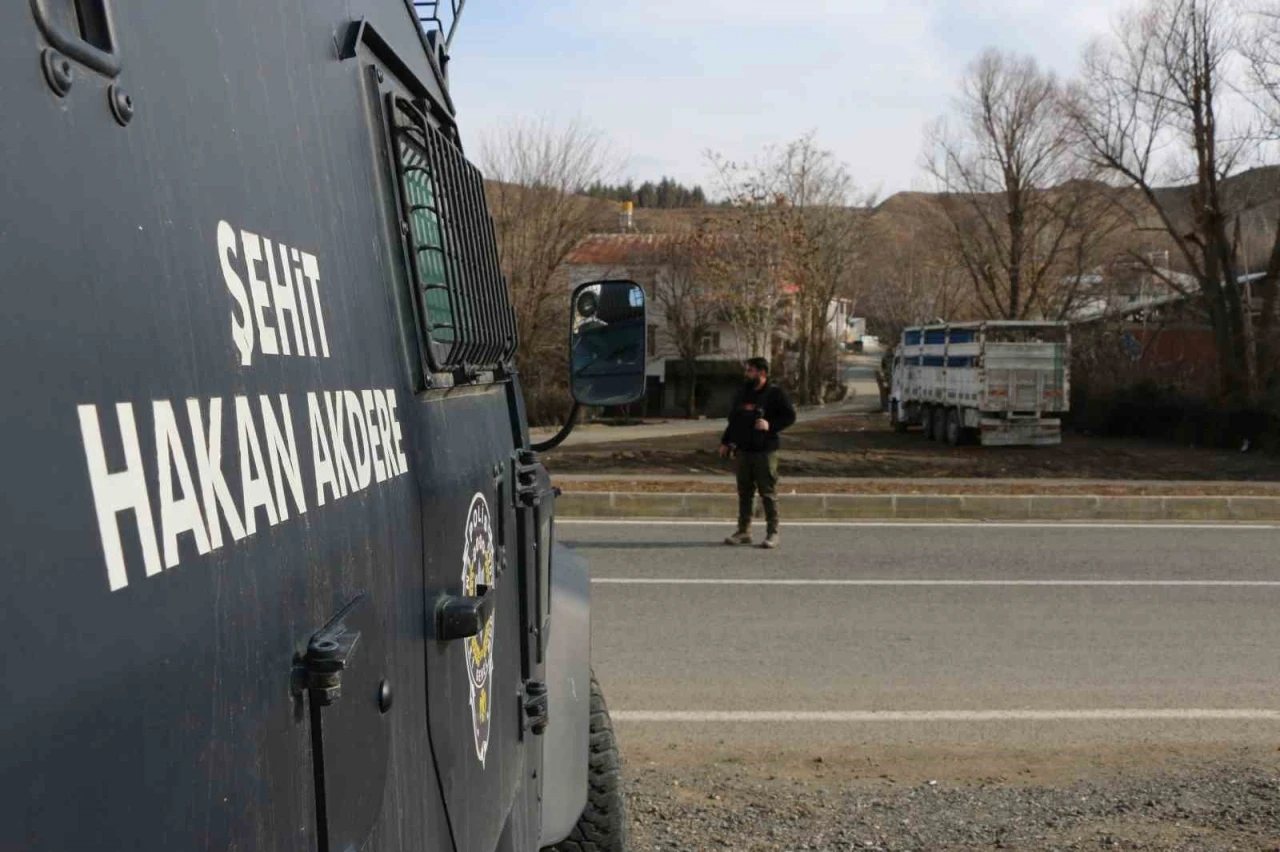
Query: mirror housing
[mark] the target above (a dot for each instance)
(607, 336)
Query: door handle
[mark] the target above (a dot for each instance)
(464, 616)
(94, 46)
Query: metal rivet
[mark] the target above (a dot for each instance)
(57, 71)
(121, 105)
(385, 696)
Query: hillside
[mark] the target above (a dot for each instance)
(1255, 194)
(907, 230)
(1256, 191)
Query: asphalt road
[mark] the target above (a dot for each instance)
(1036, 637)
(859, 372)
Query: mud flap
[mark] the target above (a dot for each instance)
(998, 432)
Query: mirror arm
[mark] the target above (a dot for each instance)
(558, 438)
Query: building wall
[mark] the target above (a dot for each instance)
(1186, 355)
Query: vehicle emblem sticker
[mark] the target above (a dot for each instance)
(477, 570)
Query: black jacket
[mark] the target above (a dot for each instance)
(749, 403)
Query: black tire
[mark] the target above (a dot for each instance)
(926, 420)
(940, 424)
(955, 432)
(603, 826)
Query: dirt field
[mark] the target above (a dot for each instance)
(864, 446)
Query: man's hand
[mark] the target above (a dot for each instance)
(724, 451)
(762, 425)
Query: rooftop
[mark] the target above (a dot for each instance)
(619, 249)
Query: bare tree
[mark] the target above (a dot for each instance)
(687, 298)
(1261, 47)
(1009, 186)
(826, 226)
(796, 238)
(536, 172)
(912, 280)
(1150, 99)
(747, 254)
(1262, 51)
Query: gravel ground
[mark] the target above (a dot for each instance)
(1226, 803)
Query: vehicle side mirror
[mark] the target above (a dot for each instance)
(607, 343)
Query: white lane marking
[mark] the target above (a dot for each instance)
(1029, 525)
(743, 581)
(1187, 715)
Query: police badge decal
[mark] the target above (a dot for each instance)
(477, 571)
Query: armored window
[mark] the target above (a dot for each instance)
(460, 298)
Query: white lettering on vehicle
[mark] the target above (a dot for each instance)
(213, 486)
(355, 435)
(255, 488)
(270, 477)
(124, 490)
(176, 516)
(282, 448)
(341, 461)
(291, 290)
(321, 454)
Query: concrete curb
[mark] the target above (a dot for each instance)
(845, 507)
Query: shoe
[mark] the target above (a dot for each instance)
(770, 542)
(740, 537)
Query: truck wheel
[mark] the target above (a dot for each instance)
(603, 824)
(940, 424)
(896, 419)
(926, 421)
(955, 433)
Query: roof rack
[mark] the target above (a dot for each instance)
(428, 12)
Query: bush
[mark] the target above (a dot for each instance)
(1150, 411)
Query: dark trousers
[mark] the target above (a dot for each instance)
(757, 471)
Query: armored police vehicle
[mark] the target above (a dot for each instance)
(279, 557)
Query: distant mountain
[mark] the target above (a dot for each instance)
(908, 227)
(1254, 194)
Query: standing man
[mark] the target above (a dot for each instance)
(760, 411)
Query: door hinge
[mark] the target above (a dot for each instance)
(329, 652)
(536, 713)
(527, 494)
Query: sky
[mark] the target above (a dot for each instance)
(665, 81)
